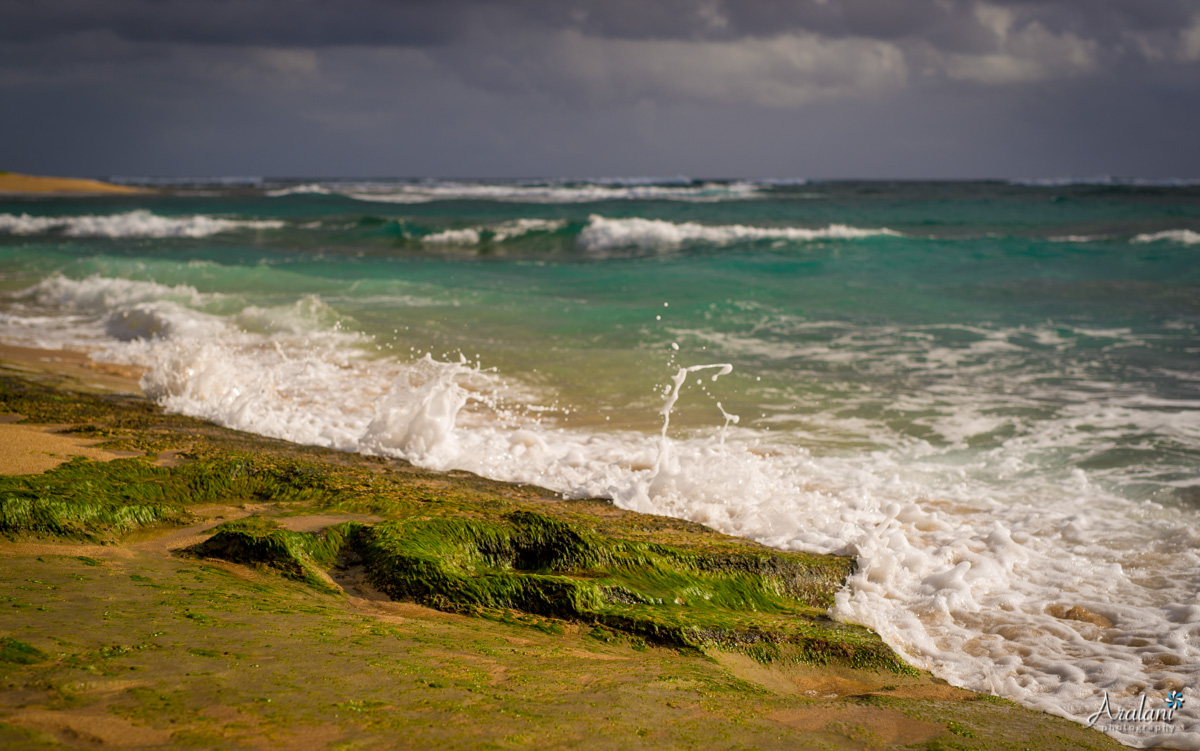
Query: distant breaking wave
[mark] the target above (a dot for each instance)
(300, 190)
(1184, 236)
(1131, 182)
(632, 189)
(139, 223)
(654, 234)
(216, 181)
(497, 233)
(603, 234)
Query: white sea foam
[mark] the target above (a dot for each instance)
(468, 236)
(1077, 238)
(603, 234)
(970, 559)
(99, 294)
(299, 190)
(583, 190)
(1182, 236)
(138, 223)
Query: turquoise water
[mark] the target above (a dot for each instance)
(924, 374)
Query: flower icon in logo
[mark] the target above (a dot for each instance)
(1175, 699)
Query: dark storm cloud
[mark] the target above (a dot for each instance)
(520, 87)
(315, 23)
(318, 23)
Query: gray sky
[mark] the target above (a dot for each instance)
(704, 88)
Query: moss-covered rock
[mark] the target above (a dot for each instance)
(452, 541)
(263, 542)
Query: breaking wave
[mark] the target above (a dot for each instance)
(1182, 236)
(517, 192)
(655, 234)
(493, 233)
(1106, 180)
(138, 223)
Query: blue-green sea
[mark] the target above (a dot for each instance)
(988, 392)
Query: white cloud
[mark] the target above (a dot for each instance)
(1189, 41)
(1023, 53)
(297, 62)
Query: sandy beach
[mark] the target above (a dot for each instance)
(15, 183)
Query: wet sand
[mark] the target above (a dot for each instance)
(61, 367)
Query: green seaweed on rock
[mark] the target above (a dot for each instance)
(261, 541)
(533, 563)
(452, 541)
(83, 499)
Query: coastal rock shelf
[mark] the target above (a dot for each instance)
(232, 588)
(453, 542)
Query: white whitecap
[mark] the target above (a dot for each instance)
(602, 233)
(1182, 236)
(140, 223)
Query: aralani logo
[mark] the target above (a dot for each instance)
(1140, 720)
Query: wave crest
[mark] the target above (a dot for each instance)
(545, 192)
(140, 223)
(655, 234)
(495, 233)
(1183, 236)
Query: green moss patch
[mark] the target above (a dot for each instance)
(18, 652)
(263, 542)
(763, 602)
(452, 541)
(85, 499)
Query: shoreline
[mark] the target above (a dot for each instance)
(70, 368)
(640, 684)
(16, 184)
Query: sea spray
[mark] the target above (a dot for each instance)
(666, 468)
(416, 416)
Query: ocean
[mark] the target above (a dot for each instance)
(988, 393)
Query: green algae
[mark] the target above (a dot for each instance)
(533, 563)
(261, 541)
(83, 499)
(452, 541)
(18, 652)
